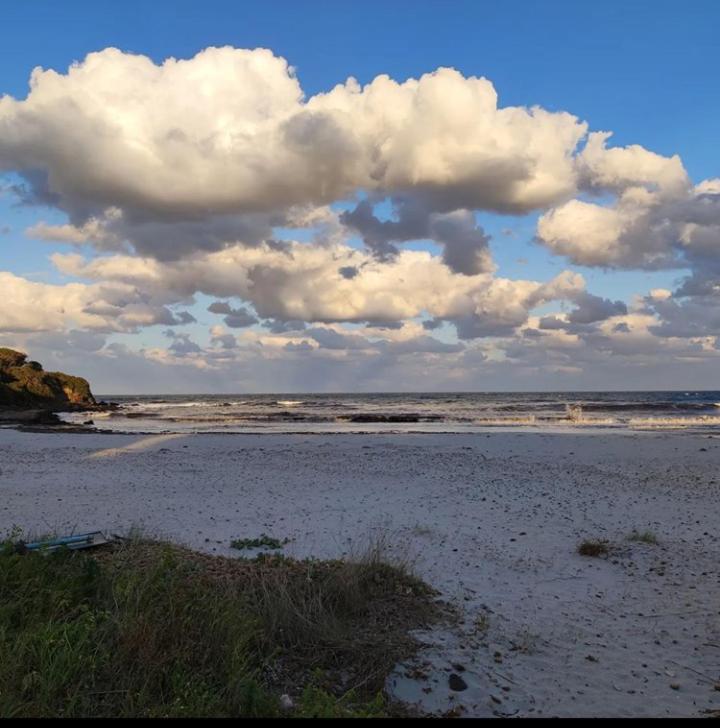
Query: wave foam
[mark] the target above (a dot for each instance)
(674, 422)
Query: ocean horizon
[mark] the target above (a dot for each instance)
(405, 411)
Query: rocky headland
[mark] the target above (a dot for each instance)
(30, 395)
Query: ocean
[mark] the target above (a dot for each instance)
(427, 412)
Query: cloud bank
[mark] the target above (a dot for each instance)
(300, 219)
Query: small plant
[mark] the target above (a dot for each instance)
(315, 702)
(594, 548)
(643, 537)
(481, 623)
(526, 642)
(264, 541)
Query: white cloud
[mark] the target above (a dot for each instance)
(182, 175)
(619, 168)
(663, 228)
(304, 282)
(207, 141)
(182, 137)
(27, 306)
(445, 137)
(93, 231)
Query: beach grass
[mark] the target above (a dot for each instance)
(149, 629)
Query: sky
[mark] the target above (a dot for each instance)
(386, 196)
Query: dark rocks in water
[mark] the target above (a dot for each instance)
(400, 418)
(456, 683)
(16, 416)
(383, 418)
(104, 406)
(29, 394)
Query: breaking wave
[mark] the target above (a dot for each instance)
(447, 412)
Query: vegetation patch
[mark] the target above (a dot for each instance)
(594, 548)
(24, 383)
(526, 642)
(264, 541)
(643, 537)
(148, 629)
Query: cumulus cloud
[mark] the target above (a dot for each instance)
(444, 137)
(235, 318)
(191, 176)
(635, 232)
(464, 241)
(178, 138)
(623, 346)
(27, 306)
(167, 239)
(657, 220)
(95, 230)
(685, 316)
(281, 327)
(182, 345)
(592, 308)
(619, 168)
(332, 339)
(30, 306)
(190, 154)
(302, 283)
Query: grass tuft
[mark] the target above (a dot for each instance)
(594, 548)
(643, 537)
(481, 623)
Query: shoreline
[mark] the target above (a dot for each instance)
(492, 520)
(64, 427)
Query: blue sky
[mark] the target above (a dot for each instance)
(644, 70)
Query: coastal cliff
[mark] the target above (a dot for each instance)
(29, 393)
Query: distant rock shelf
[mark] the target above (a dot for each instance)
(30, 395)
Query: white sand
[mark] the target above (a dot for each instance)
(493, 520)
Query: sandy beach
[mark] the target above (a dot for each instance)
(491, 520)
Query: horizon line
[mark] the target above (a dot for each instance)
(408, 392)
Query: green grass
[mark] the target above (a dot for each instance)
(643, 537)
(153, 630)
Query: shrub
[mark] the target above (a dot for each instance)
(594, 548)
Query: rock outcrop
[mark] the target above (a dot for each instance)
(25, 385)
